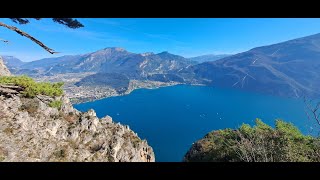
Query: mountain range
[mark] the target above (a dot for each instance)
(289, 69)
(108, 60)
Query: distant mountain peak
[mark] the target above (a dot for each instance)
(147, 54)
(167, 54)
(120, 49)
(11, 61)
(164, 52)
(109, 51)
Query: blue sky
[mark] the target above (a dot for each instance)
(183, 36)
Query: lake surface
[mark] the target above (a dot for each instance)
(172, 118)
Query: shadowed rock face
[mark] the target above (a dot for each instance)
(4, 71)
(30, 130)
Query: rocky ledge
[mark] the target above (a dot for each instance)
(31, 130)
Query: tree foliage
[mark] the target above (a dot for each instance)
(69, 22)
(32, 88)
(260, 143)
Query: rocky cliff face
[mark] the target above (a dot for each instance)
(30, 130)
(3, 69)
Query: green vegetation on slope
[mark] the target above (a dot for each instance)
(56, 104)
(260, 143)
(32, 88)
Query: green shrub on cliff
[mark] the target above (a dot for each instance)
(56, 104)
(32, 88)
(260, 143)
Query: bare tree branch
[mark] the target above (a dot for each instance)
(313, 110)
(29, 37)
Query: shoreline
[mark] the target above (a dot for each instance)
(76, 101)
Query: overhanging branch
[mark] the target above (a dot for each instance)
(28, 36)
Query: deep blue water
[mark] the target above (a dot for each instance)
(172, 118)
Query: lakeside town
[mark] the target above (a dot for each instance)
(81, 94)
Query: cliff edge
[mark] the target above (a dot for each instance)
(45, 128)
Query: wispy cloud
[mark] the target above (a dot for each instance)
(82, 33)
(148, 35)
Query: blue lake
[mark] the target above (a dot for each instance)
(172, 118)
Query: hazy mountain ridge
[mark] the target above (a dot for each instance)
(209, 57)
(45, 63)
(12, 62)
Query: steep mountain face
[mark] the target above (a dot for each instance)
(12, 62)
(31, 130)
(163, 63)
(289, 69)
(209, 57)
(3, 69)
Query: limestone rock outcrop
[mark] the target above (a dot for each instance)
(31, 130)
(4, 71)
